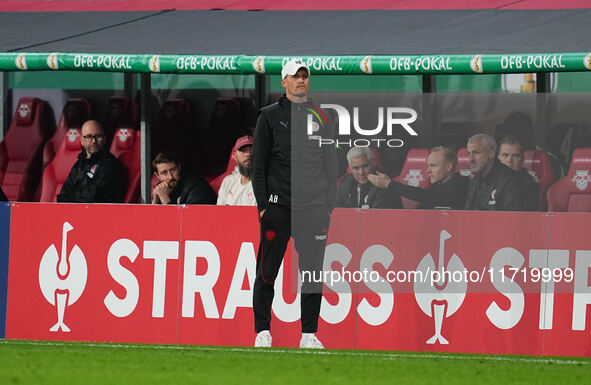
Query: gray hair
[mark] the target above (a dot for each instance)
(358, 152)
(489, 142)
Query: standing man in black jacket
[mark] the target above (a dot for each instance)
(294, 182)
(448, 189)
(494, 187)
(97, 176)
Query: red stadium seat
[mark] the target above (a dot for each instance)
(127, 147)
(222, 131)
(57, 170)
(414, 173)
(573, 192)
(232, 168)
(74, 114)
(126, 140)
(122, 112)
(133, 164)
(173, 131)
(21, 151)
(463, 166)
(538, 164)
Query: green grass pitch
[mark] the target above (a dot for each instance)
(65, 363)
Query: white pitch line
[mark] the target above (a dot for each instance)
(380, 355)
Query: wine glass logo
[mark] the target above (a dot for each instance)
(440, 298)
(62, 278)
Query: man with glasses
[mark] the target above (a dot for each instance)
(97, 176)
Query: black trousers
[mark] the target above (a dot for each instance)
(309, 229)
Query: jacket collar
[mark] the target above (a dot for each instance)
(284, 101)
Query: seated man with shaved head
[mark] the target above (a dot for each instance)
(448, 189)
(97, 176)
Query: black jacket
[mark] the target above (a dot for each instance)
(497, 191)
(352, 194)
(451, 194)
(98, 179)
(530, 189)
(192, 189)
(290, 168)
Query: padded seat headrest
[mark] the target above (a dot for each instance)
(581, 160)
(174, 109)
(226, 110)
(76, 112)
(121, 110)
(414, 170)
(26, 111)
(124, 138)
(72, 139)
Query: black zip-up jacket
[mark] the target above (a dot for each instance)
(451, 194)
(352, 194)
(530, 189)
(499, 190)
(192, 189)
(98, 179)
(290, 168)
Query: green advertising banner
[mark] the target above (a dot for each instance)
(325, 65)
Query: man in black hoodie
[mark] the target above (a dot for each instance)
(294, 182)
(97, 176)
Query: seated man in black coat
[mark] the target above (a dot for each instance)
(511, 154)
(178, 186)
(97, 176)
(355, 189)
(448, 189)
(494, 186)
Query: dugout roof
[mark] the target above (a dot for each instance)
(292, 32)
